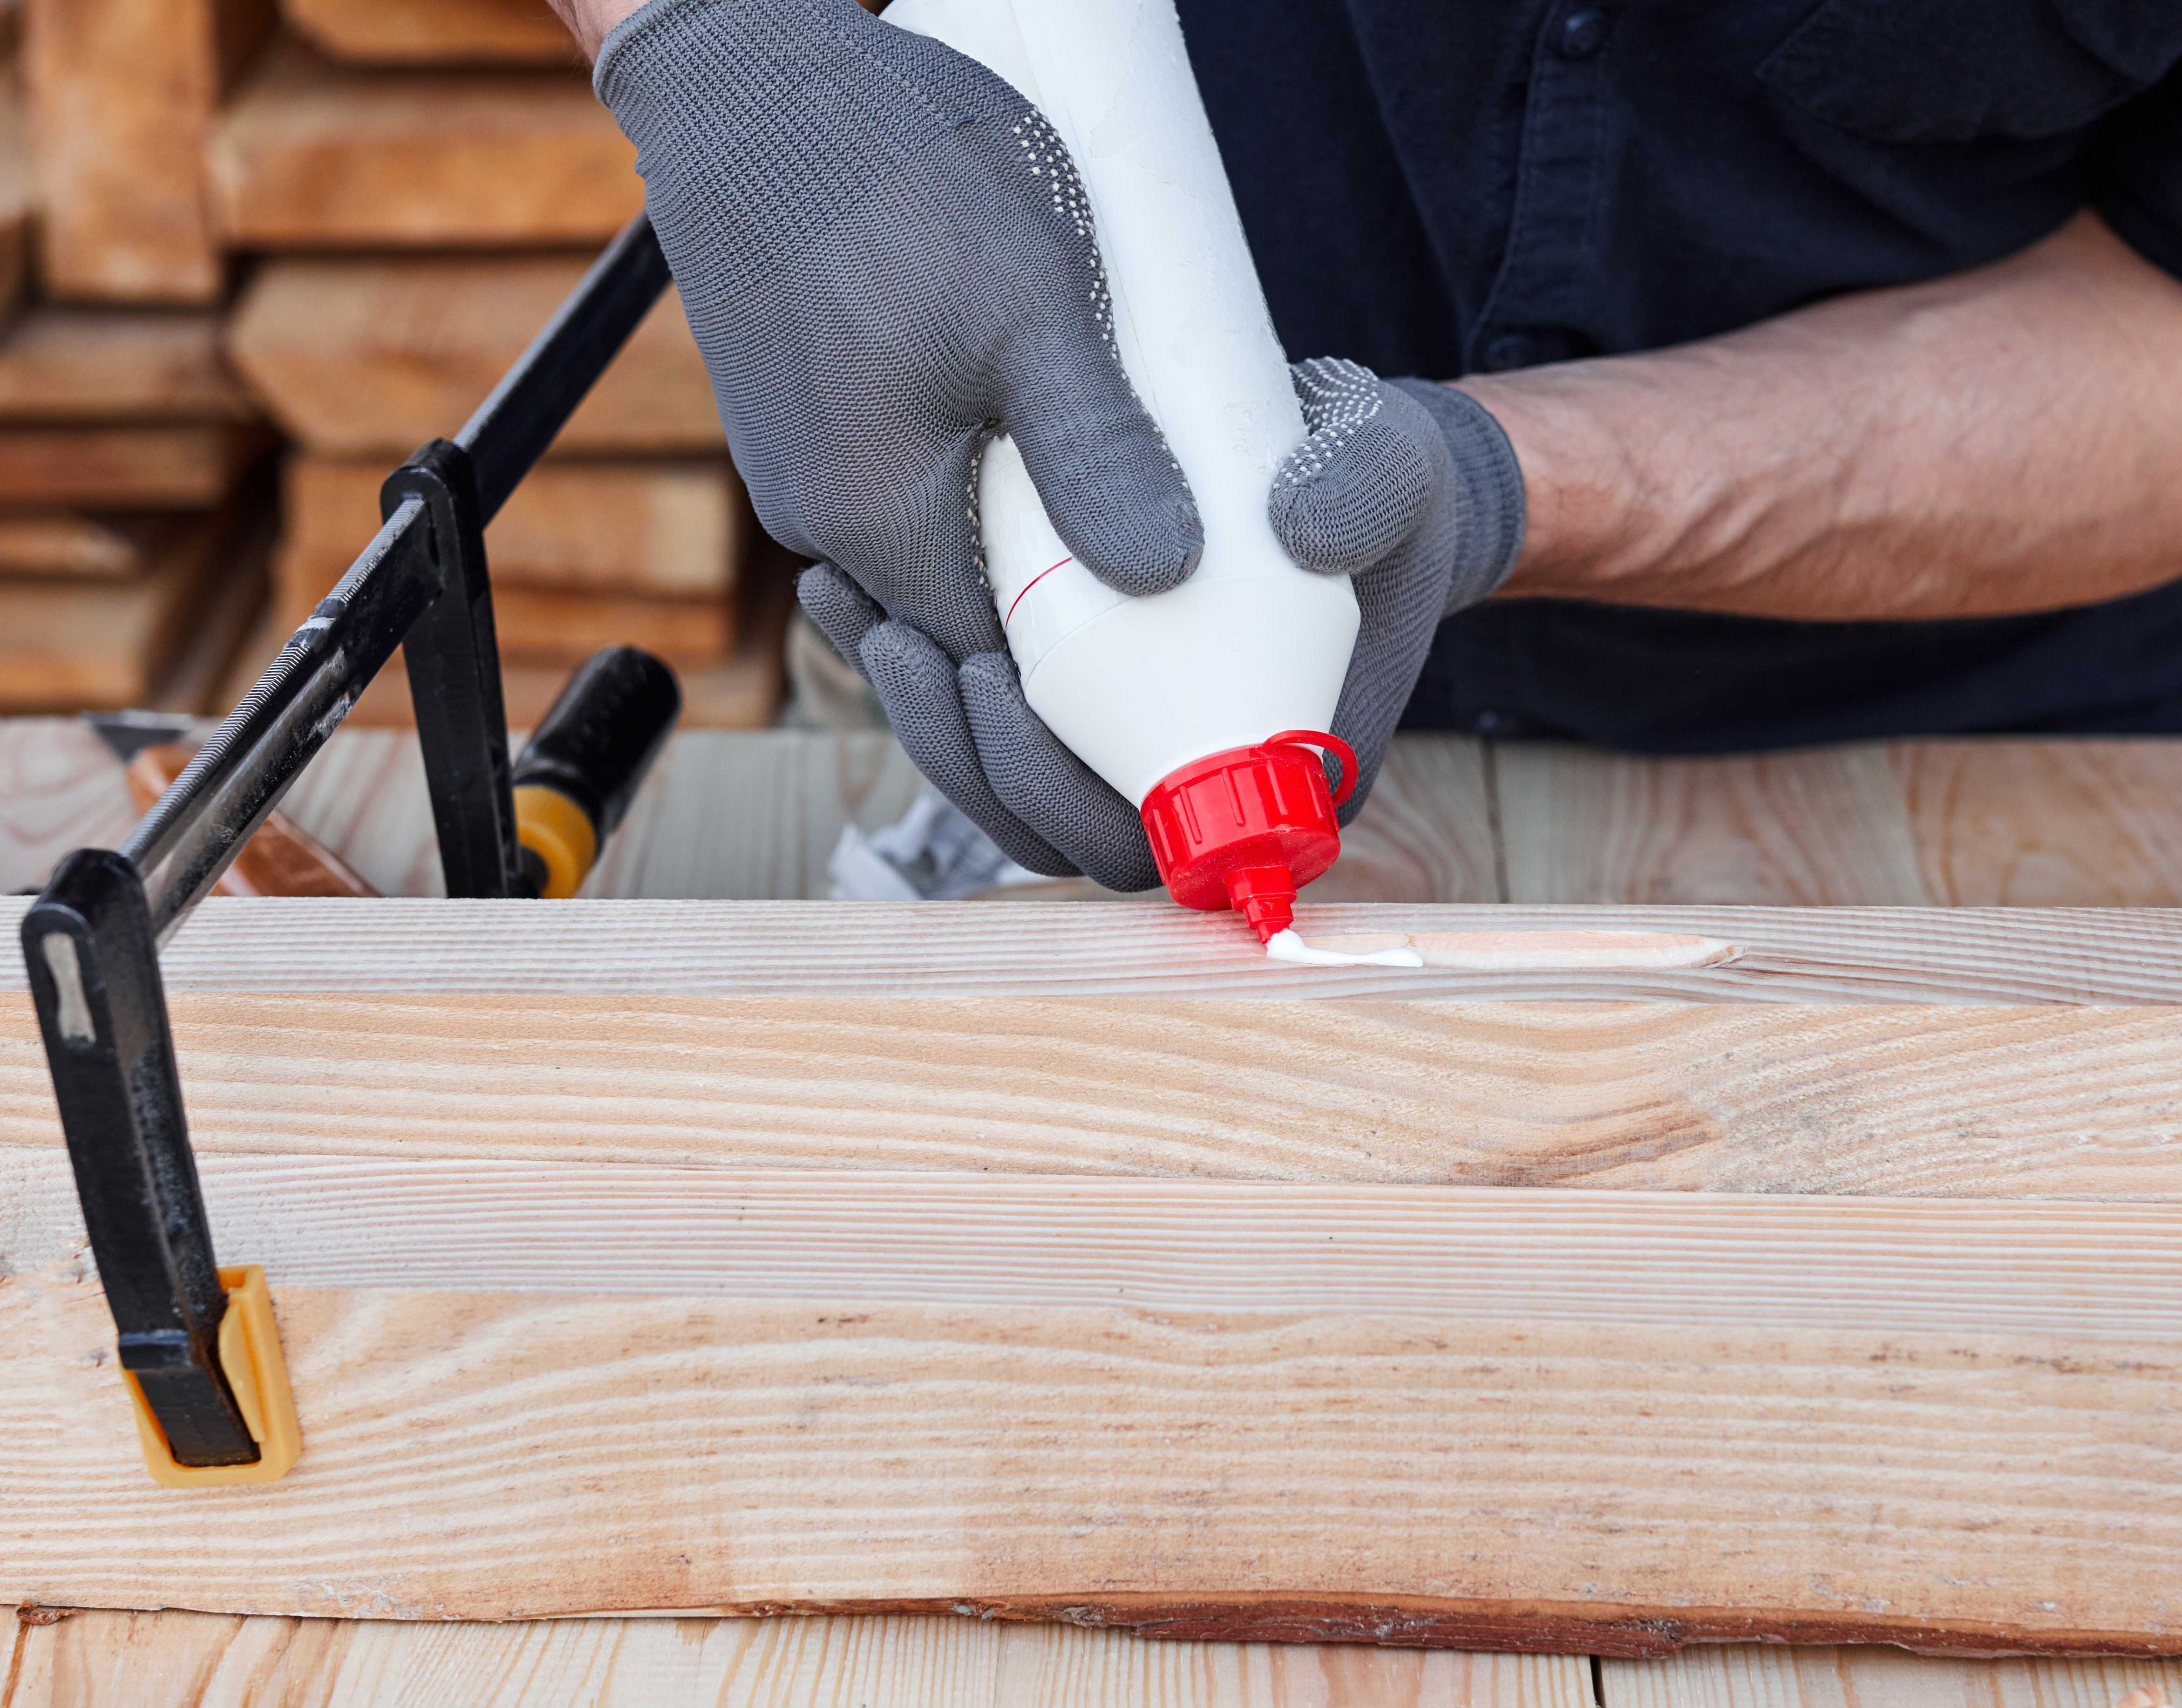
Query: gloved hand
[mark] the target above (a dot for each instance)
(1408, 486)
(1412, 489)
(886, 256)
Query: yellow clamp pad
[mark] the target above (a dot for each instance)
(250, 1353)
(558, 832)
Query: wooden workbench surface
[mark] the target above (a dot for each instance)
(1970, 822)
(2046, 824)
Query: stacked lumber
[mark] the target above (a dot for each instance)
(132, 540)
(372, 205)
(133, 534)
(468, 136)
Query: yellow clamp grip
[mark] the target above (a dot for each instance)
(560, 833)
(250, 1353)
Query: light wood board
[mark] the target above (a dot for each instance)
(1739, 1677)
(95, 1659)
(18, 195)
(1611, 1421)
(122, 94)
(312, 153)
(60, 788)
(2025, 823)
(372, 357)
(673, 529)
(433, 32)
(548, 625)
(190, 466)
(77, 641)
(112, 548)
(1807, 828)
(83, 364)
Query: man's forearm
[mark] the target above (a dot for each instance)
(2007, 440)
(591, 21)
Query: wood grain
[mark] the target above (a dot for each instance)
(664, 528)
(1828, 1677)
(1700, 1262)
(1443, 1472)
(1810, 828)
(192, 466)
(70, 543)
(72, 643)
(1427, 833)
(1940, 1102)
(2028, 823)
(313, 153)
(177, 1659)
(122, 94)
(279, 860)
(370, 358)
(1796, 957)
(78, 364)
(18, 195)
(60, 788)
(433, 32)
(548, 625)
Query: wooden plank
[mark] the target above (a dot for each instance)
(122, 94)
(84, 365)
(112, 548)
(278, 860)
(433, 32)
(370, 358)
(60, 788)
(664, 528)
(191, 467)
(1815, 827)
(1794, 958)
(1412, 1414)
(219, 629)
(1427, 833)
(176, 1660)
(1748, 1677)
(1840, 1056)
(2033, 823)
(313, 153)
(18, 195)
(548, 625)
(694, 836)
(66, 644)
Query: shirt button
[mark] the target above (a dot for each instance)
(1582, 33)
(1508, 350)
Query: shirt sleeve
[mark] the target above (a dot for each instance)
(2135, 173)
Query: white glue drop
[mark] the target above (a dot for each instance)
(1286, 945)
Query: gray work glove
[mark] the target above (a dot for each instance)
(886, 257)
(1412, 489)
(1408, 486)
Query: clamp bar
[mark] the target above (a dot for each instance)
(91, 939)
(94, 975)
(194, 831)
(521, 415)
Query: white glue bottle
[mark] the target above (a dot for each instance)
(1207, 706)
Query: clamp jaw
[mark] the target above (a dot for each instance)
(199, 1347)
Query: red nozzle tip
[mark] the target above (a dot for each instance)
(1246, 828)
(1265, 896)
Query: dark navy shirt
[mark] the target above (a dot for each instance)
(1448, 186)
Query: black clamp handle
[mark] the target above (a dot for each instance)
(585, 761)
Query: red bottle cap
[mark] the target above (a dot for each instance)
(1248, 828)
